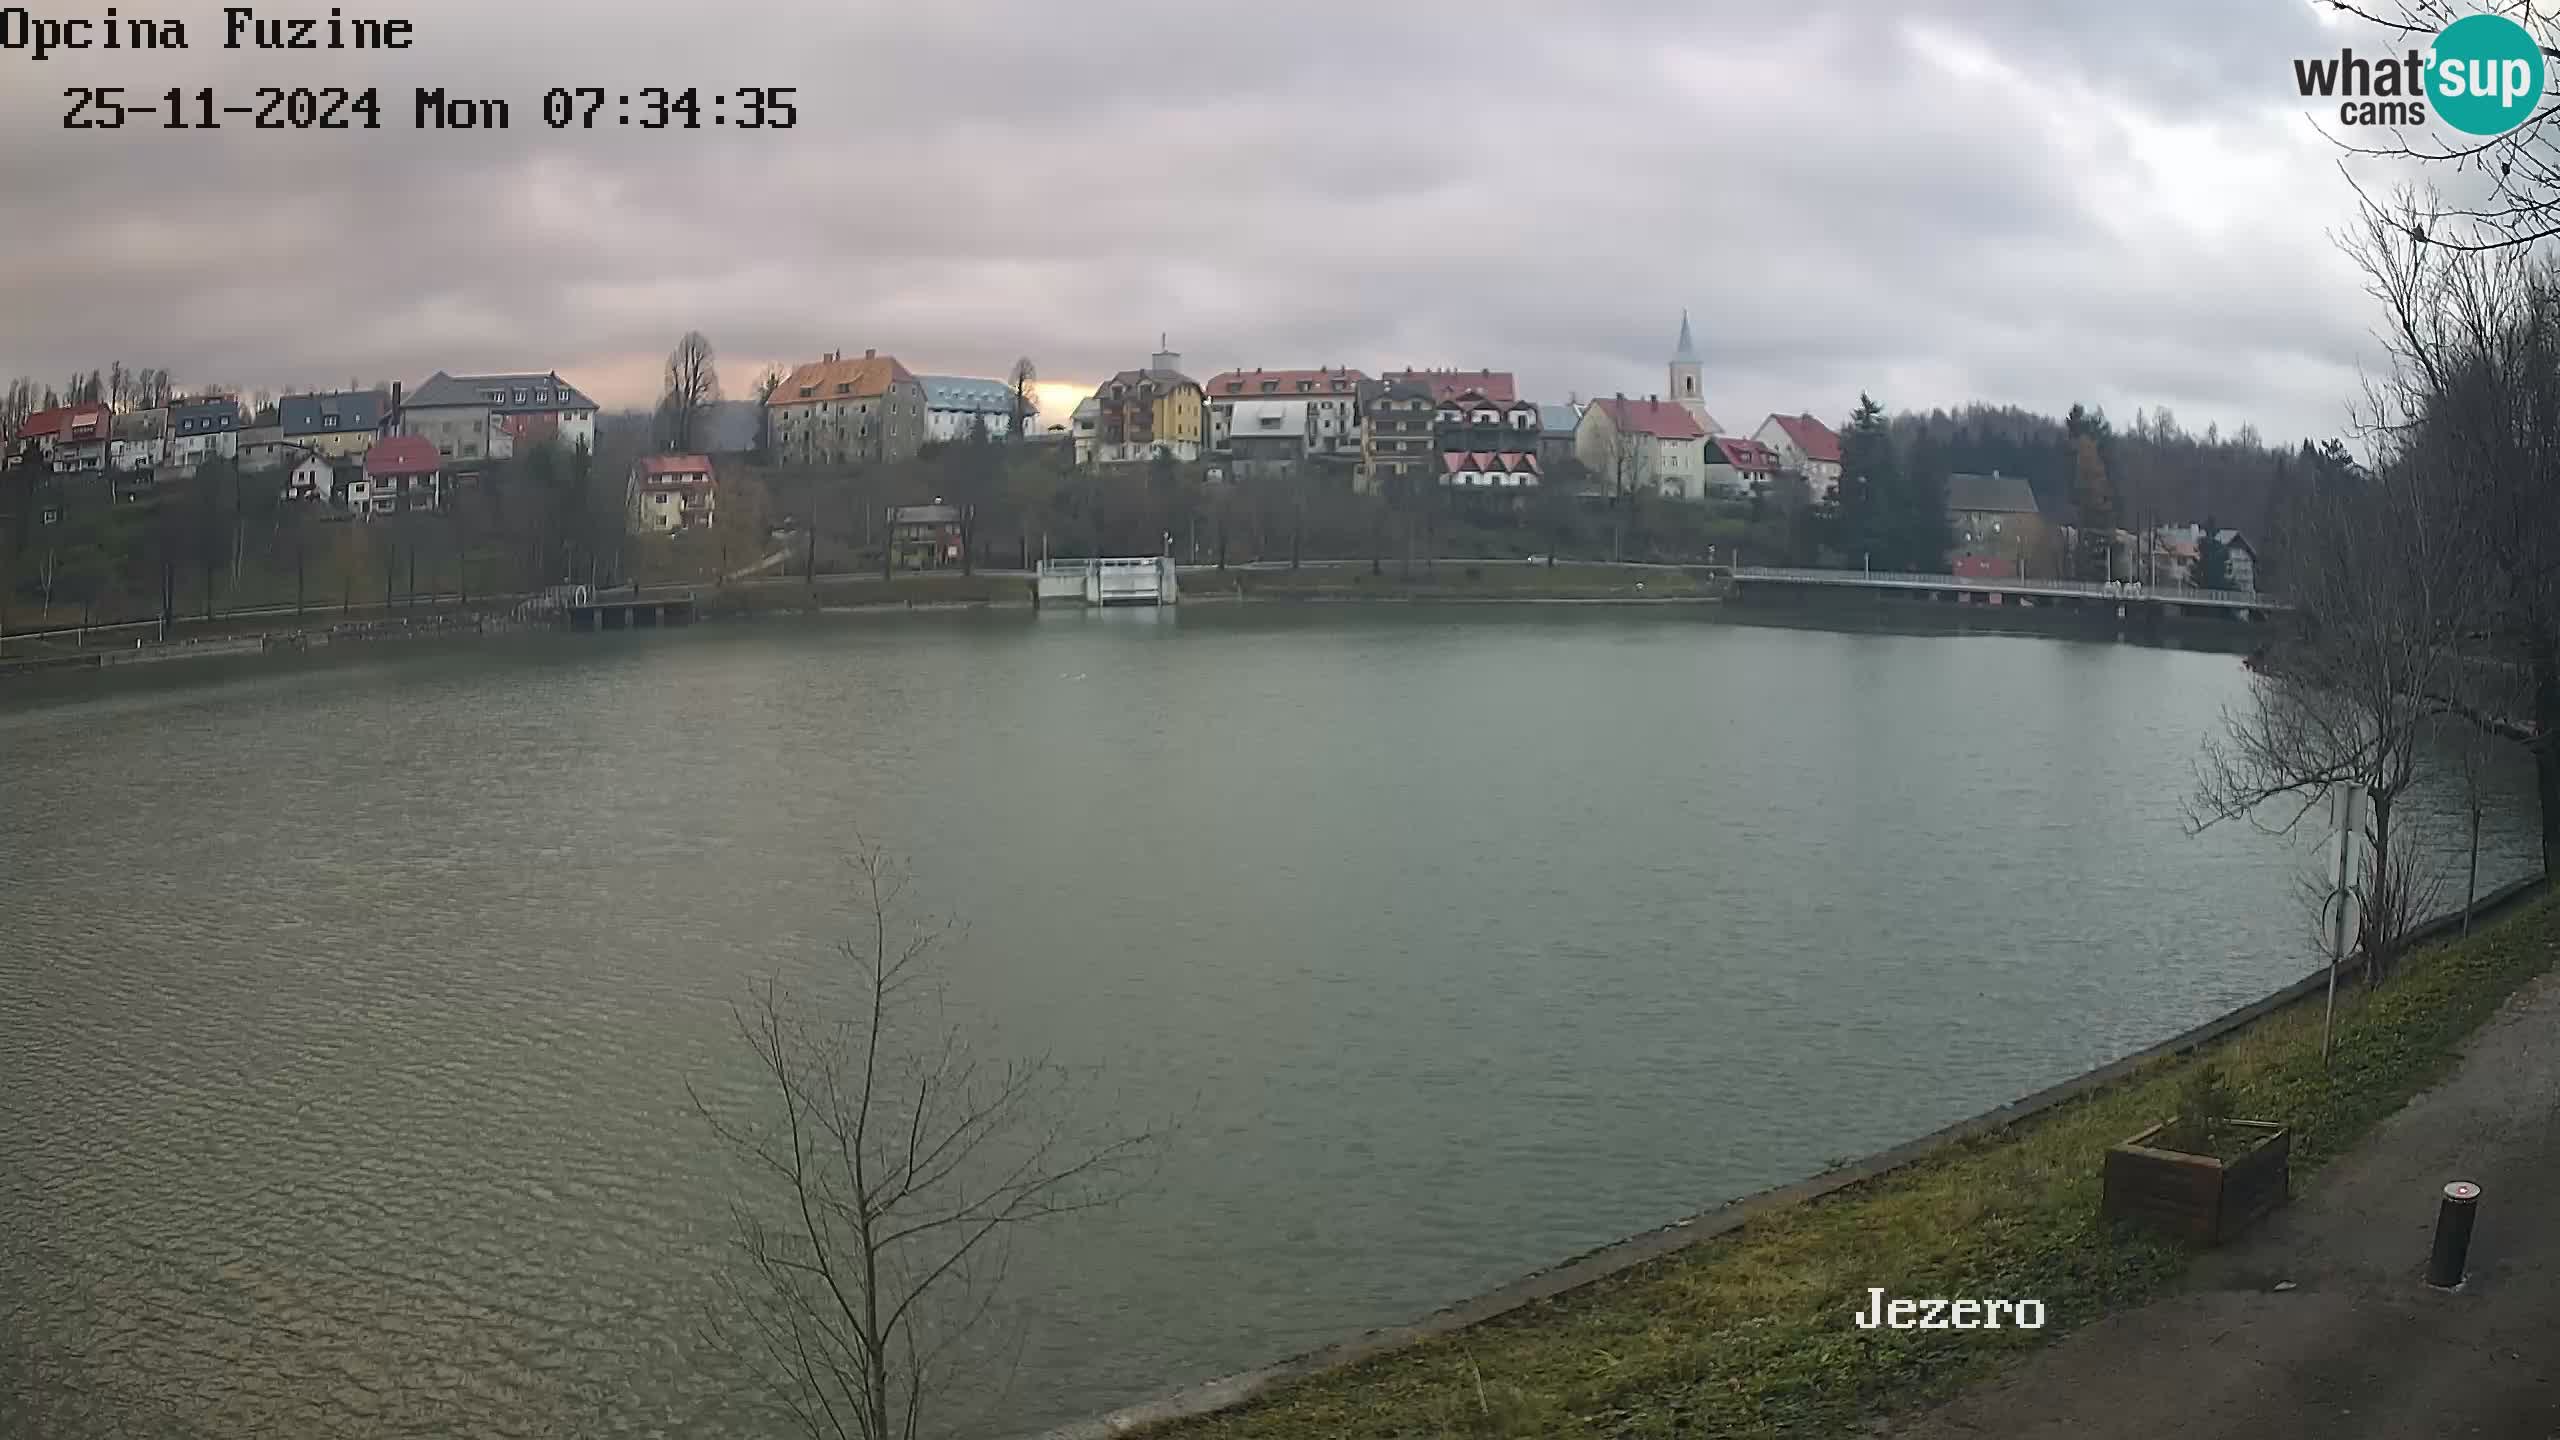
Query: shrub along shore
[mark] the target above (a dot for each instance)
(1751, 1333)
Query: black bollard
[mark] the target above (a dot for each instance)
(2454, 1216)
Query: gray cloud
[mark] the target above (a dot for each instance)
(1950, 200)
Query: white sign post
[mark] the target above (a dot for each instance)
(2346, 819)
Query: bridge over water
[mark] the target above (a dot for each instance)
(1976, 590)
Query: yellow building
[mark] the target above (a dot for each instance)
(342, 426)
(1144, 411)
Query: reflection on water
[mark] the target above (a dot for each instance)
(346, 1011)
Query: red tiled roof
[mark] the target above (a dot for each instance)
(1661, 419)
(1250, 382)
(63, 417)
(1811, 436)
(675, 464)
(402, 455)
(1496, 385)
(1515, 462)
(1746, 454)
(859, 379)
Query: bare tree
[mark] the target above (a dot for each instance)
(766, 384)
(2345, 699)
(2474, 337)
(693, 387)
(894, 1164)
(1025, 405)
(2516, 175)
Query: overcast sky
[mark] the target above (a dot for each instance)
(2022, 201)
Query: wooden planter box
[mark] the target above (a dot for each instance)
(2197, 1197)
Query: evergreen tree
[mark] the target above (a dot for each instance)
(2094, 556)
(2213, 558)
(1921, 532)
(1866, 481)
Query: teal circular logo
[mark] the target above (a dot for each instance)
(2485, 74)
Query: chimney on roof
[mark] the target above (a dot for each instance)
(870, 354)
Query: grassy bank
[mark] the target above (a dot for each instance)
(1449, 580)
(1749, 1334)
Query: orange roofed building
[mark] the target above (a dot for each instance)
(669, 493)
(835, 411)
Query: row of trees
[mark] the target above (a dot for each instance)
(2428, 584)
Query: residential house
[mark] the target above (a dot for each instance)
(925, 537)
(1496, 385)
(1738, 465)
(138, 441)
(668, 493)
(834, 411)
(2239, 561)
(1806, 446)
(1687, 377)
(471, 419)
(1396, 446)
(1490, 470)
(1146, 411)
(205, 429)
(65, 440)
(1484, 441)
(1651, 445)
(1268, 439)
(314, 478)
(1987, 510)
(1087, 428)
(405, 472)
(956, 407)
(1557, 426)
(263, 447)
(337, 426)
(1331, 396)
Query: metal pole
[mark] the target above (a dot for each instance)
(2455, 1214)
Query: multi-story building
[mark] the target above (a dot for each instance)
(65, 440)
(1266, 439)
(1806, 446)
(926, 537)
(1143, 412)
(313, 478)
(834, 411)
(1331, 397)
(1087, 428)
(262, 447)
(205, 429)
(405, 472)
(339, 426)
(1496, 385)
(475, 418)
(1557, 426)
(1396, 449)
(1652, 445)
(669, 493)
(1739, 466)
(957, 407)
(139, 441)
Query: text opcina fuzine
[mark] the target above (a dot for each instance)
(1878, 1313)
(242, 27)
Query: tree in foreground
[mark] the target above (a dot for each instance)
(891, 1164)
(2383, 602)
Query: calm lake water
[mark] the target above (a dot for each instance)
(346, 1012)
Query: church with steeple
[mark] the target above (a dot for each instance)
(1687, 380)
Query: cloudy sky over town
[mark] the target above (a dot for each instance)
(2016, 201)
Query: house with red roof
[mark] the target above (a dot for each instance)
(1496, 385)
(1737, 465)
(64, 439)
(1331, 396)
(401, 472)
(1651, 445)
(1806, 446)
(669, 493)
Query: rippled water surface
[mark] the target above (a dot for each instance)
(346, 1013)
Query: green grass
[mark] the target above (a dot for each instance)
(1749, 1334)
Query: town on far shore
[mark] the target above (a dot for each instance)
(1465, 445)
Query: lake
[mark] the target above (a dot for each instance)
(347, 1009)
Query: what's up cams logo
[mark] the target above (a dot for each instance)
(2484, 75)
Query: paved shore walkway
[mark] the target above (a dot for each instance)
(2358, 1347)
